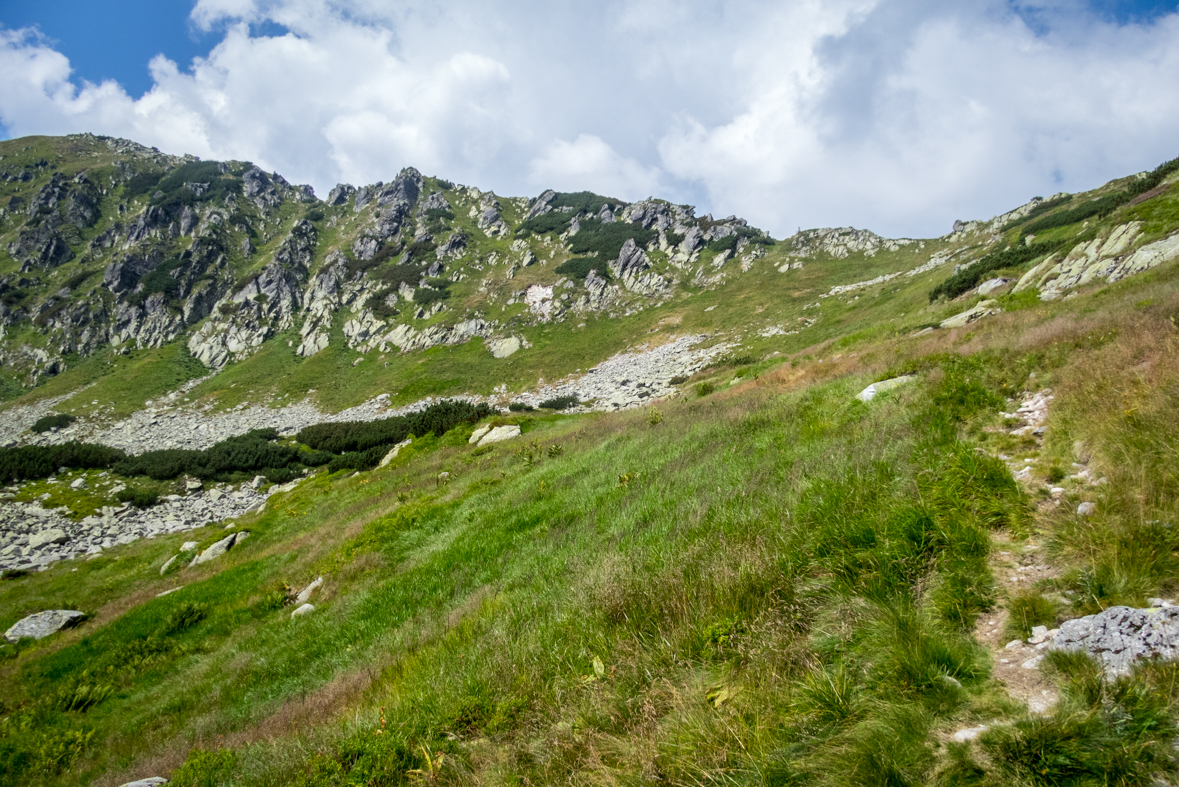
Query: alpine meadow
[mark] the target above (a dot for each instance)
(421, 484)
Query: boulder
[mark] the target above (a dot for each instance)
(983, 309)
(305, 593)
(1119, 636)
(477, 435)
(305, 609)
(42, 624)
(389, 457)
(150, 781)
(502, 348)
(991, 285)
(500, 433)
(48, 536)
(220, 548)
(168, 564)
(869, 393)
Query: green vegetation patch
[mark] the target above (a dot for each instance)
(48, 422)
(579, 268)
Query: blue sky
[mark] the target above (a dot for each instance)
(896, 115)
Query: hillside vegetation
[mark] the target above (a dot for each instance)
(757, 579)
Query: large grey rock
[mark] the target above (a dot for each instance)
(983, 309)
(1119, 636)
(51, 535)
(42, 624)
(305, 609)
(220, 548)
(499, 434)
(869, 393)
(150, 781)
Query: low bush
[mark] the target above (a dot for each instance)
(973, 274)
(704, 389)
(58, 421)
(138, 496)
(520, 407)
(249, 453)
(358, 436)
(41, 461)
(560, 402)
(606, 240)
(579, 268)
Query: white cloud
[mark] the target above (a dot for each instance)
(898, 115)
(589, 164)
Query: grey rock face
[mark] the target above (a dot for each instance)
(51, 535)
(42, 624)
(454, 246)
(631, 267)
(340, 194)
(541, 205)
(1119, 636)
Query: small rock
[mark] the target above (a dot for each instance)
(305, 593)
(1039, 634)
(869, 393)
(306, 609)
(42, 624)
(1032, 663)
(1086, 509)
(78, 483)
(258, 481)
(150, 781)
(389, 457)
(188, 546)
(970, 733)
(193, 485)
(168, 564)
(1014, 644)
(220, 548)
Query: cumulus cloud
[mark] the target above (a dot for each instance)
(589, 164)
(897, 115)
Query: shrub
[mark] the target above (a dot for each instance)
(1094, 207)
(520, 407)
(315, 214)
(41, 461)
(59, 421)
(427, 296)
(174, 194)
(138, 496)
(974, 273)
(579, 267)
(554, 221)
(607, 239)
(252, 452)
(560, 402)
(704, 389)
(141, 183)
(679, 379)
(359, 436)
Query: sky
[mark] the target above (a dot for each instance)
(898, 116)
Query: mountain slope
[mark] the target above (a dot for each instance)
(761, 576)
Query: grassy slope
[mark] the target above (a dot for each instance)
(772, 584)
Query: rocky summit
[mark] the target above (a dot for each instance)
(416, 483)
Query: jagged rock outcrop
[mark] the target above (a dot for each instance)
(340, 194)
(489, 218)
(1108, 259)
(265, 304)
(841, 242)
(632, 268)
